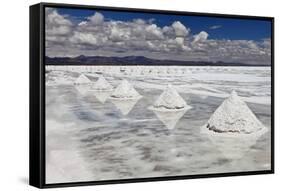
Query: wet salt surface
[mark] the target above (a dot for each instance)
(88, 140)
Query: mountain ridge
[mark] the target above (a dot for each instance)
(134, 60)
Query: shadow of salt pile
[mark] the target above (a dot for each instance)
(170, 107)
(233, 128)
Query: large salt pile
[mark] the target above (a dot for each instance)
(170, 100)
(234, 116)
(125, 91)
(102, 85)
(82, 80)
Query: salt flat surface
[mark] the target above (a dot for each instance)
(91, 137)
(252, 83)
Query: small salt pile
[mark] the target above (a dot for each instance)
(102, 85)
(170, 100)
(82, 80)
(125, 91)
(234, 116)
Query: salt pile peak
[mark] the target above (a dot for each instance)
(234, 116)
(170, 100)
(102, 85)
(125, 91)
(82, 80)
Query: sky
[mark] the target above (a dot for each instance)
(74, 32)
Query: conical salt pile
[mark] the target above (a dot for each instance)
(170, 100)
(82, 80)
(234, 116)
(125, 91)
(102, 85)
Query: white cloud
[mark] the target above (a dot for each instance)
(84, 38)
(83, 23)
(153, 32)
(180, 40)
(57, 24)
(96, 19)
(97, 36)
(215, 27)
(139, 21)
(116, 35)
(200, 37)
(180, 29)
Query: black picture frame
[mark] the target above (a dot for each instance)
(37, 96)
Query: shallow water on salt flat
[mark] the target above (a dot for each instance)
(90, 140)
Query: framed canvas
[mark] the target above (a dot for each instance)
(123, 95)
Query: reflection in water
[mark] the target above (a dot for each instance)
(233, 145)
(203, 96)
(83, 89)
(102, 95)
(125, 106)
(60, 147)
(101, 144)
(170, 118)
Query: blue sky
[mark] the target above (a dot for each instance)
(74, 32)
(233, 29)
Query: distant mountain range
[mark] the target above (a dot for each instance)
(132, 60)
